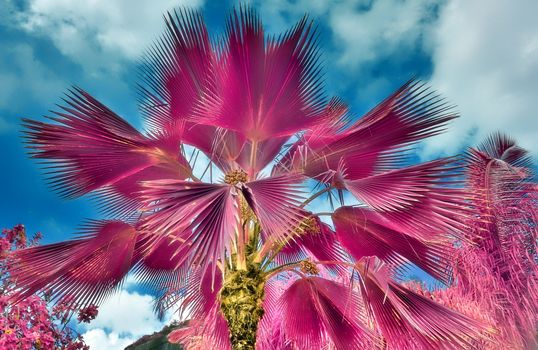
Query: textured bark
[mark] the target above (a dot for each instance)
(241, 303)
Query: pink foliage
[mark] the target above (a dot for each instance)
(30, 324)
(367, 233)
(496, 270)
(66, 268)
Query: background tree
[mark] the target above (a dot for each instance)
(245, 254)
(496, 275)
(30, 324)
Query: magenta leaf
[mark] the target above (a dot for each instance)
(276, 200)
(264, 88)
(203, 215)
(91, 147)
(74, 269)
(364, 233)
(318, 312)
(408, 320)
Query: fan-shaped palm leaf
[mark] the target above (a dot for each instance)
(409, 320)
(74, 269)
(366, 233)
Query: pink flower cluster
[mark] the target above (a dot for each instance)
(29, 323)
(87, 314)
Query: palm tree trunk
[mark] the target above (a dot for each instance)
(242, 305)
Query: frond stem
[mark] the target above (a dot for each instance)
(315, 195)
(292, 265)
(323, 213)
(253, 151)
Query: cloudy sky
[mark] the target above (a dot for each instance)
(481, 54)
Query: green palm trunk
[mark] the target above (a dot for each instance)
(241, 304)
(242, 301)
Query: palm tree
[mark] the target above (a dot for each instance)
(246, 255)
(496, 268)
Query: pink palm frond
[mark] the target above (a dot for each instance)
(194, 293)
(375, 142)
(315, 243)
(263, 89)
(176, 71)
(365, 233)
(73, 269)
(276, 200)
(271, 334)
(408, 320)
(318, 312)
(204, 215)
(92, 147)
(209, 333)
(335, 118)
(197, 297)
(122, 199)
(402, 188)
(157, 260)
(421, 199)
(207, 328)
(264, 153)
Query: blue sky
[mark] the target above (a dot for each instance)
(482, 55)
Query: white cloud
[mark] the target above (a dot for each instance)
(7, 13)
(130, 282)
(362, 31)
(368, 31)
(486, 62)
(122, 319)
(24, 83)
(127, 313)
(99, 34)
(98, 339)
